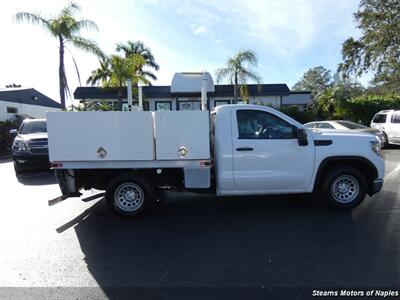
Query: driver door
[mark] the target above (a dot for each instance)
(266, 155)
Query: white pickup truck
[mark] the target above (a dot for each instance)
(234, 150)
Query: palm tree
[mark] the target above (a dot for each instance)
(238, 71)
(66, 28)
(102, 74)
(139, 48)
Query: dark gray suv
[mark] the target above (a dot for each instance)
(29, 150)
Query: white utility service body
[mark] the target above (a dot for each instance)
(234, 150)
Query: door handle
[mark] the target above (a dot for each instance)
(244, 149)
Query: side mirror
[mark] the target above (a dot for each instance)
(302, 136)
(13, 131)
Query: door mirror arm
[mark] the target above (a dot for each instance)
(302, 136)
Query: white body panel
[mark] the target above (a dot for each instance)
(77, 136)
(176, 129)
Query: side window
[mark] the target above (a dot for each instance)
(396, 117)
(379, 118)
(325, 125)
(255, 124)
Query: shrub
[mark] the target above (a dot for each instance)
(363, 108)
(5, 137)
(302, 116)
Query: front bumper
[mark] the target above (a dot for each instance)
(375, 187)
(29, 162)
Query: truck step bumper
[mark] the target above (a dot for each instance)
(375, 187)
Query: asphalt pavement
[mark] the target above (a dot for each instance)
(197, 241)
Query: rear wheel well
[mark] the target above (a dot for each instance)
(361, 164)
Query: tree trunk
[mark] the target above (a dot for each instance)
(61, 74)
(235, 89)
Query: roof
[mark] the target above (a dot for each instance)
(27, 96)
(191, 82)
(164, 91)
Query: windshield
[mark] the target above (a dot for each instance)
(351, 125)
(33, 127)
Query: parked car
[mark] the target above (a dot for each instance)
(29, 149)
(388, 121)
(347, 125)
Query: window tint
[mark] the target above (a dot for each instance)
(255, 124)
(396, 117)
(12, 110)
(311, 125)
(379, 118)
(163, 105)
(351, 125)
(325, 125)
(34, 127)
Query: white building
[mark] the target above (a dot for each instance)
(185, 94)
(21, 103)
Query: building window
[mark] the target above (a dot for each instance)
(12, 110)
(221, 102)
(190, 105)
(163, 105)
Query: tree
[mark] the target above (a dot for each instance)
(13, 85)
(378, 48)
(238, 72)
(116, 70)
(66, 28)
(316, 80)
(138, 48)
(102, 74)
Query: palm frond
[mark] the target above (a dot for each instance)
(33, 19)
(87, 46)
(221, 73)
(75, 27)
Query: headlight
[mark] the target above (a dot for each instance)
(19, 146)
(376, 147)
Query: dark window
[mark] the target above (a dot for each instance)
(255, 124)
(379, 118)
(146, 105)
(163, 105)
(33, 127)
(351, 125)
(12, 110)
(311, 125)
(325, 125)
(396, 117)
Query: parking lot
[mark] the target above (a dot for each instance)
(197, 241)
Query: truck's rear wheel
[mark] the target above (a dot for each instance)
(128, 195)
(343, 188)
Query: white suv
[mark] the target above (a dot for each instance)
(388, 121)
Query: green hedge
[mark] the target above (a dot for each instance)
(302, 116)
(5, 138)
(363, 108)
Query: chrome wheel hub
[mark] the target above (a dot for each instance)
(345, 189)
(129, 196)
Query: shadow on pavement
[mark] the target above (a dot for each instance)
(233, 242)
(45, 177)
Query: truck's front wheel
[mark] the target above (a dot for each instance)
(128, 195)
(343, 188)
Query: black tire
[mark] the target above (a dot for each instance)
(385, 140)
(344, 187)
(18, 170)
(129, 195)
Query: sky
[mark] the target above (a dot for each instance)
(289, 37)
